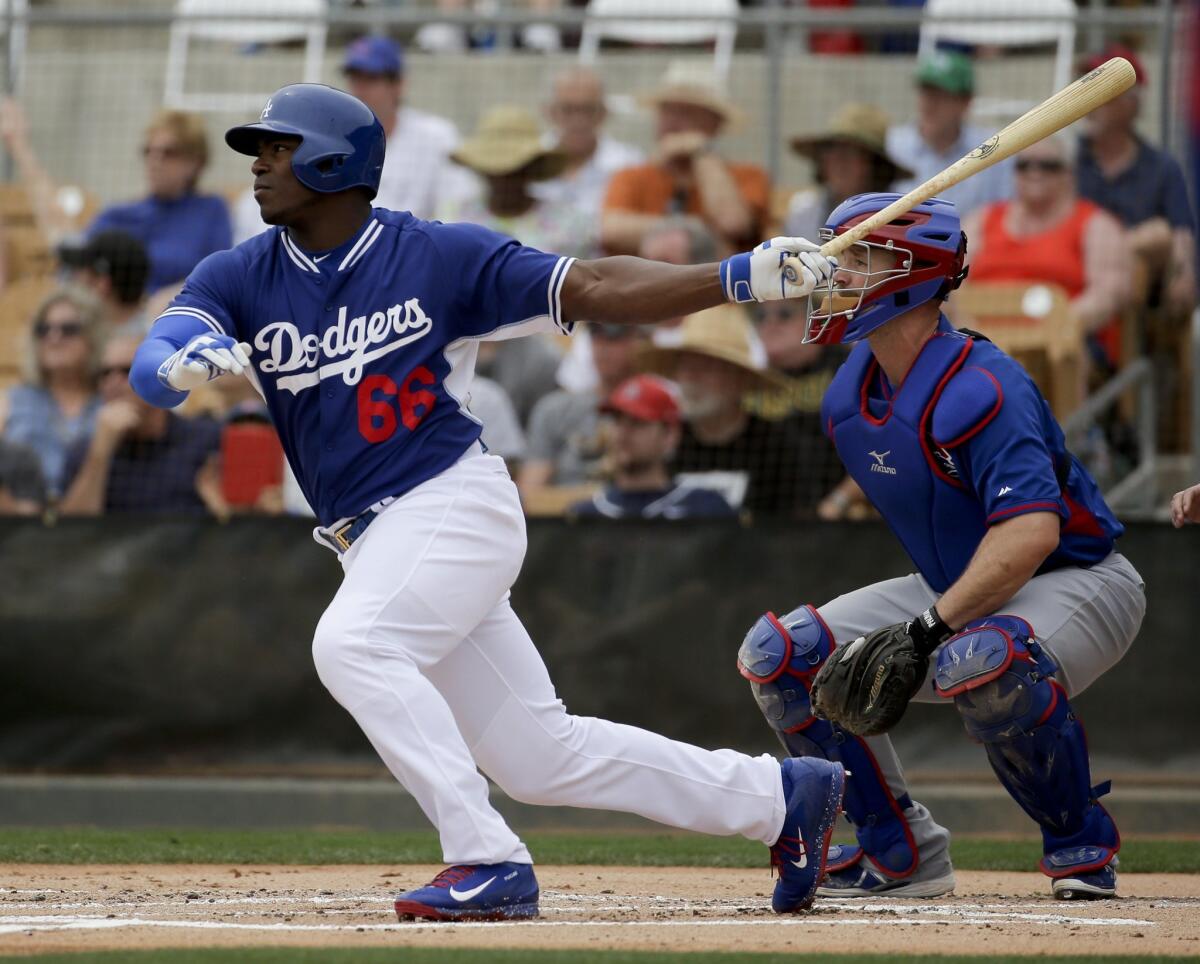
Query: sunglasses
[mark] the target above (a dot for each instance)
(66, 329)
(166, 153)
(1026, 164)
(122, 370)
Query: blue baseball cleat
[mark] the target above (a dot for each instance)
(1090, 885)
(473, 892)
(812, 791)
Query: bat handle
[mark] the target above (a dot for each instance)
(830, 249)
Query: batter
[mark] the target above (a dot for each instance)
(361, 327)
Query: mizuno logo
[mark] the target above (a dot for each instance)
(879, 465)
(1004, 491)
(803, 861)
(461, 895)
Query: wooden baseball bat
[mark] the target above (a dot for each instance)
(1060, 110)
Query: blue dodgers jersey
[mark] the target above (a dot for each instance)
(967, 441)
(365, 354)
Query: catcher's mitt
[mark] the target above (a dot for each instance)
(864, 687)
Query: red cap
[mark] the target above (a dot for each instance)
(643, 397)
(1115, 50)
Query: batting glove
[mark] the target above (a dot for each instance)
(202, 359)
(761, 275)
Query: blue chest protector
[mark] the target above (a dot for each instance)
(906, 470)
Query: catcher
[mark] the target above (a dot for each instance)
(1018, 603)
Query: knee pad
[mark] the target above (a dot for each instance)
(780, 658)
(1002, 684)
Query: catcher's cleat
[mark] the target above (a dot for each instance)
(851, 875)
(1092, 885)
(471, 892)
(812, 793)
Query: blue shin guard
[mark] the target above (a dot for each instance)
(780, 659)
(1000, 681)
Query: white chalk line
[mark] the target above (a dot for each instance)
(52, 923)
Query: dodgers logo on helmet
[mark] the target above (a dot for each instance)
(903, 264)
(341, 141)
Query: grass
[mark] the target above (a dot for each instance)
(295, 955)
(92, 846)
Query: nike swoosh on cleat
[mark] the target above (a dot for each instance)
(461, 895)
(803, 861)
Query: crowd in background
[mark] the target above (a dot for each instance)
(714, 414)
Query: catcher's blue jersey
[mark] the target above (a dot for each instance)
(365, 354)
(966, 442)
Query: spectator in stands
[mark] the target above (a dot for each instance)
(755, 464)
(526, 369)
(806, 371)
(508, 154)
(139, 458)
(1144, 188)
(849, 158)
(417, 173)
(178, 226)
(687, 175)
(577, 113)
(639, 445)
(941, 135)
(564, 430)
(1047, 233)
(55, 407)
(114, 267)
(22, 488)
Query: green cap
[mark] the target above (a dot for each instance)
(947, 70)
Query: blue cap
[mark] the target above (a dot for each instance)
(374, 55)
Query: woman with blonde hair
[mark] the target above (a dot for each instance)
(178, 226)
(56, 403)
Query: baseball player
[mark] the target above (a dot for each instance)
(361, 327)
(1019, 601)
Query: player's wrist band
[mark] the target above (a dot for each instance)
(735, 278)
(928, 631)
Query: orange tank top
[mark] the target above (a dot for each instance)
(1054, 256)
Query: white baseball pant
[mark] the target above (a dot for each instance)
(421, 646)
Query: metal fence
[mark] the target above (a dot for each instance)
(91, 76)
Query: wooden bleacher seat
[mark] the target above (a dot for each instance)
(17, 303)
(15, 208)
(1032, 322)
(26, 253)
(553, 500)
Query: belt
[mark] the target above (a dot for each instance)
(345, 535)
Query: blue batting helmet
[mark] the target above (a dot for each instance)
(923, 249)
(341, 141)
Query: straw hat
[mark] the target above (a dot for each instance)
(686, 82)
(724, 332)
(863, 125)
(507, 140)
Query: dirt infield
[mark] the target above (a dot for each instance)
(47, 908)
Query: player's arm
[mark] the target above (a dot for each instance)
(193, 341)
(995, 423)
(628, 290)
(1007, 558)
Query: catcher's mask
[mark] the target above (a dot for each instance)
(906, 262)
